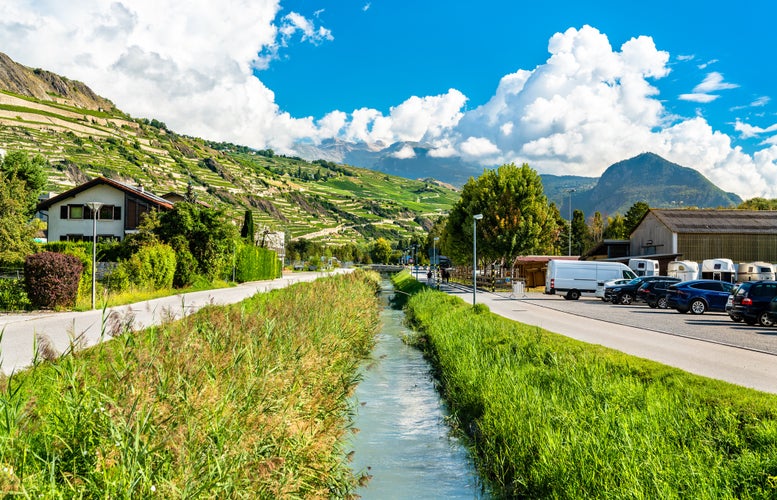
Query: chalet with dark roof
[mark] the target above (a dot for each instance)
(71, 219)
(739, 235)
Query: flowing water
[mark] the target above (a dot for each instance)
(403, 441)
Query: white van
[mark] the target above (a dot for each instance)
(751, 271)
(686, 270)
(576, 277)
(718, 269)
(644, 267)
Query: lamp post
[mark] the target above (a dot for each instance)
(95, 207)
(434, 251)
(569, 235)
(415, 260)
(475, 219)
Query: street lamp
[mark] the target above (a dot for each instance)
(569, 233)
(475, 219)
(95, 207)
(434, 251)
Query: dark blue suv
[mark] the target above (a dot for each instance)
(750, 302)
(698, 296)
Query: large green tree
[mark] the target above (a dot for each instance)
(634, 215)
(30, 171)
(16, 228)
(517, 219)
(209, 233)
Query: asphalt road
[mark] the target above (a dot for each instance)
(23, 333)
(710, 345)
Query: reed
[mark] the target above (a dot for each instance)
(551, 417)
(243, 401)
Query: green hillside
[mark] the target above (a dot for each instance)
(318, 200)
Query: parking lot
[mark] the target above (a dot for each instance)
(710, 326)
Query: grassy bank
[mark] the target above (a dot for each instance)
(244, 401)
(551, 417)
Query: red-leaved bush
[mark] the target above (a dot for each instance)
(51, 279)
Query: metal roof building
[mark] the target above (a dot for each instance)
(739, 235)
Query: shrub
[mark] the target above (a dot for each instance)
(185, 264)
(150, 268)
(51, 279)
(254, 263)
(13, 297)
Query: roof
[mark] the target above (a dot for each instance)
(135, 191)
(718, 221)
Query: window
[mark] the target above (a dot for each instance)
(75, 211)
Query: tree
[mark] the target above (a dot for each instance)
(596, 228)
(580, 234)
(247, 232)
(616, 228)
(634, 215)
(517, 218)
(16, 229)
(30, 171)
(210, 235)
(381, 250)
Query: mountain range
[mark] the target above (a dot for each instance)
(317, 193)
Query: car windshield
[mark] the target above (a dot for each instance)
(635, 281)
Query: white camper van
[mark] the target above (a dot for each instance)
(576, 277)
(644, 267)
(718, 269)
(751, 271)
(686, 270)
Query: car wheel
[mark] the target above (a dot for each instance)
(652, 305)
(698, 306)
(661, 303)
(763, 319)
(627, 299)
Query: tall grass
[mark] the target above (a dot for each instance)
(244, 401)
(551, 417)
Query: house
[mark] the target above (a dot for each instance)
(71, 219)
(739, 235)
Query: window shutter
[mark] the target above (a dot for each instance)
(116, 213)
(63, 212)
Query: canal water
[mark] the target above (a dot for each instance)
(403, 440)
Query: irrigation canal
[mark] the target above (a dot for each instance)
(403, 440)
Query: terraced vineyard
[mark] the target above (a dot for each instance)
(317, 200)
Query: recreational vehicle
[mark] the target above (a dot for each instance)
(644, 267)
(718, 269)
(686, 270)
(752, 271)
(576, 277)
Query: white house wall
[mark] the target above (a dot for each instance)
(58, 229)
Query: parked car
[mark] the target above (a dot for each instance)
(653, 293)
(699, 296)
(772, 313)
(751, 301)
(600, 286)
(625, 294)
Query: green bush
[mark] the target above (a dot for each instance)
(254, 263)
(13, 296)
(83, 251)
(51, 279)
(185, 264)
(150, 268)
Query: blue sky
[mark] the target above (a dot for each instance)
(569, 87)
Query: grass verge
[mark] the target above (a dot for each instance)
(243, 401)
(552, 417)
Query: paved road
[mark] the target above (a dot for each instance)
(706, 355)
(59, 328)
